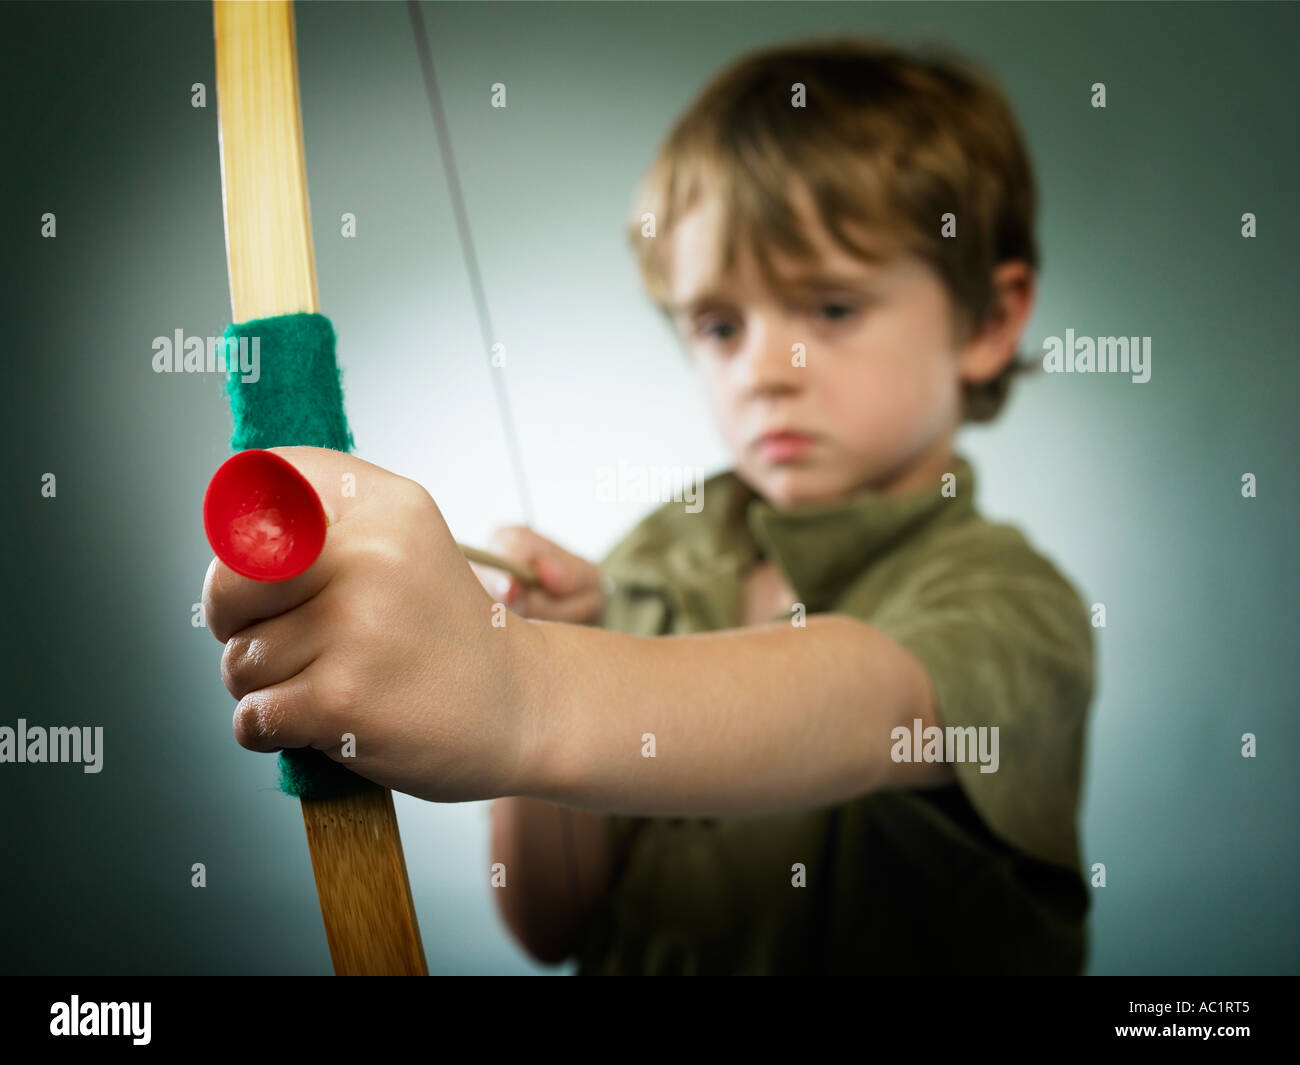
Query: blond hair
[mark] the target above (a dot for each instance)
(889, 139)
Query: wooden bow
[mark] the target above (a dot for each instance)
(356, 853)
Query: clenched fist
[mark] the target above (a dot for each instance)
(388, 636)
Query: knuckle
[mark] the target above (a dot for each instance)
(217, 606)
(260, 721)
(212, 617)
(369, 559)
(248, 724)
(243, 655)
(231, 660)
(414, 494)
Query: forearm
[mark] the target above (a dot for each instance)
(742, 722)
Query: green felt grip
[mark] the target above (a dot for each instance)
(294, 396)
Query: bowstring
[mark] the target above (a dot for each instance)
(504, 414)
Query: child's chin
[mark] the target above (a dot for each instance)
(795, 485)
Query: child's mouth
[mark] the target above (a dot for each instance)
(783, 446)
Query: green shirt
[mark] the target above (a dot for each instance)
(981, 876)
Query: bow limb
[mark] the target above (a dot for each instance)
(356, 852)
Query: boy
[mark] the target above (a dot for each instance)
(769, 797)
(902, 879)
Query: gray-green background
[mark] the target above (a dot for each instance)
(1132, 489)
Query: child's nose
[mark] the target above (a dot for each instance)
(776, 359)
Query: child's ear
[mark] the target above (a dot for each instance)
(991, 347)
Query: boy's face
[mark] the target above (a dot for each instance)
(877, 398)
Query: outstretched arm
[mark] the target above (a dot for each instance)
(390, 640)
(743, 722)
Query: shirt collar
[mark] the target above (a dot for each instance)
(821, 548)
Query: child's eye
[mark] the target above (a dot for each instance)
(709, 329)
(837, 312)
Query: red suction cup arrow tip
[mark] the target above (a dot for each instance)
(263, 518)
